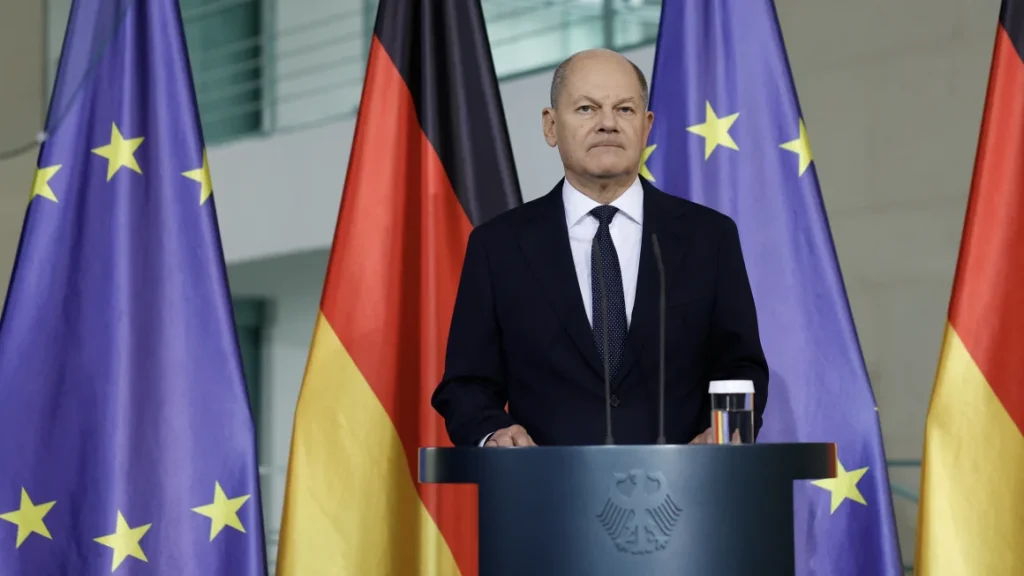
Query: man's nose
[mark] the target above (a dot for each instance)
(607, 122)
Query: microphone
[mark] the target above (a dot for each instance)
(604, 342)
(661, 339)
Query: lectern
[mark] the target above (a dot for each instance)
(634, 510)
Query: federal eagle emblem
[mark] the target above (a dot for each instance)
(639, 514)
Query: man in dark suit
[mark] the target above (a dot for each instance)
(525, 352)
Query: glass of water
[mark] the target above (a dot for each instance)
(732, 411)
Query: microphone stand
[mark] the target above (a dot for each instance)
(661, 340)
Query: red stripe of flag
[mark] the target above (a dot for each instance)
(987, 307)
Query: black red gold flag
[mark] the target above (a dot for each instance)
(430, 160)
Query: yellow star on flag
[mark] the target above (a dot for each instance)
(201, 175)
(802, 147)
(29, 518)
(715, 130)
(41, 183)
(119, 152)
(844, 485)
(643, 162)
(125, 541)
(223, 511)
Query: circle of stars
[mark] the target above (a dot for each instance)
(715, 130)
(119, 153)
(126, 540)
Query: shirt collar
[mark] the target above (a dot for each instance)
(578, 205)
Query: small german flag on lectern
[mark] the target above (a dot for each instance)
(430, 160)
(972, 479)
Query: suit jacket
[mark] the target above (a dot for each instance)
(520, 338)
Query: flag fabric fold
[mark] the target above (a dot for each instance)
(728, 133)
(430, 160)
(126, 440)
(971, 511)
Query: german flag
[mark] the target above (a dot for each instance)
(430, 160)
(971, 515)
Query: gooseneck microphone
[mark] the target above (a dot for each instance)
(661, 339)
(604, 344)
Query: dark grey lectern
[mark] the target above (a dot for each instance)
(634, 510)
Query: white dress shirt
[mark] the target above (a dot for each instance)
(627, 233)
(626, 229)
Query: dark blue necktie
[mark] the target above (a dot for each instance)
(604, 256)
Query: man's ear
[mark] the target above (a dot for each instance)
(547, 120)
(648, 124)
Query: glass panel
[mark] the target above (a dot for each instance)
(320, 51)
(270, 65)
(531, 35)
(249, 321)
(635, 23)
(225, 50)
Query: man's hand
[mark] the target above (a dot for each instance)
(704, 437)
(514, 435)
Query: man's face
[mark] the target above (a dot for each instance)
(599, 124)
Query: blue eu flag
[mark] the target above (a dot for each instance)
(728, 134)
(126, 439)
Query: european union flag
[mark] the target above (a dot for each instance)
(126, 439)
(728, 133)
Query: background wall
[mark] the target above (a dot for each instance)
(21, 117)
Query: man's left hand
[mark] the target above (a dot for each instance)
(704, 437)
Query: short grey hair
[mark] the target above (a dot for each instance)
(562, 70)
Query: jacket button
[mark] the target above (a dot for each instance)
(614, 401)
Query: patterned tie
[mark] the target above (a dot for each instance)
(612, 276)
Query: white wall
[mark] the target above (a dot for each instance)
(21, 115)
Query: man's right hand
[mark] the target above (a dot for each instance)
(514, 435)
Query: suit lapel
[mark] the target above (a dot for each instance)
(667, 221)
(546, 245)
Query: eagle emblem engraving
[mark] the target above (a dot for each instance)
(639, 514)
